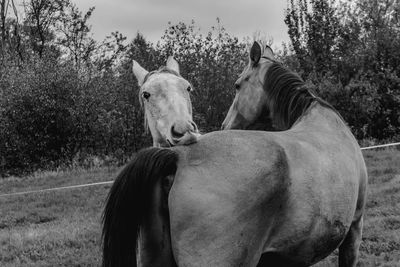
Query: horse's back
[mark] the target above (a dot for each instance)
(227, 188)
(239, 194)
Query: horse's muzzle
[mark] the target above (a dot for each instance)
(187, 139)
(184, 133)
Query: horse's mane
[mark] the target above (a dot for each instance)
(288, 95)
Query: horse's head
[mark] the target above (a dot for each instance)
(251, 99)
(164, 94)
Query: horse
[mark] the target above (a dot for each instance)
(267, 90)
(243, 197)
(164, 94)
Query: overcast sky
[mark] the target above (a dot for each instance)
(241, 18)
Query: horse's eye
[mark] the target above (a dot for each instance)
(189, 89)
(146, 95)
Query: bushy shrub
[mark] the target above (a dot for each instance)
(50, 113)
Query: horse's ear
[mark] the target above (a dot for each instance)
(139, 72)
(255, 53)
(268, 53)
(172, 64)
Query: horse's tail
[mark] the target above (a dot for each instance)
(128, 201)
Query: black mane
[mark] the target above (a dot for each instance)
(289, 97)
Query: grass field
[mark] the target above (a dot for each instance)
(62, 228)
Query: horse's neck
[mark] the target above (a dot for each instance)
(322, 118)
(263, 123)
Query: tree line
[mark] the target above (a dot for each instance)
(67, 99)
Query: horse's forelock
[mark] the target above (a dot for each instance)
(162, 69)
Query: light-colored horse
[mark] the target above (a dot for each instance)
(164, 94)
(245, 198)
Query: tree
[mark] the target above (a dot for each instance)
(313, 31)
(10, 42)
(351, 53)
(75, 34)
(110, 51)
(3, 12)
(41, 17)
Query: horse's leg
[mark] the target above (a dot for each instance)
(348, 250)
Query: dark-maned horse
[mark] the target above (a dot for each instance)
(245, 198)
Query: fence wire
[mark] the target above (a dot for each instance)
(110, 182)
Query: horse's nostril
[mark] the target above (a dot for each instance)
(176, 134)
(194, 126)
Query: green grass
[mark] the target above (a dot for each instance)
(62, 228)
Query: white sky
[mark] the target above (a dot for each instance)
(241, 18)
